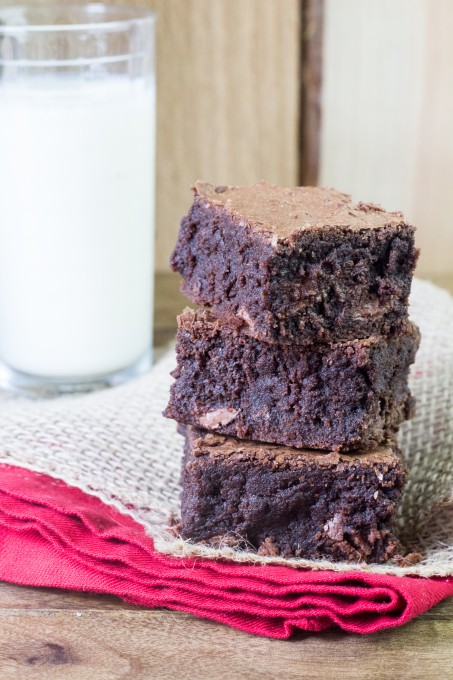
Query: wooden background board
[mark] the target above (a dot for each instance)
(228, 107)
(387, 113)
(312, 44)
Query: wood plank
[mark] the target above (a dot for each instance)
(432, 206)
(228, 105)
(144, 644)
(168, 302)
(441, 612)
(310, 113)
(18, 599)
(387, 115)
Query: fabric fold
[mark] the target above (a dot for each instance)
(57, 536)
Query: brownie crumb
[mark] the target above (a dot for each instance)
(268, 548)
(409, 560)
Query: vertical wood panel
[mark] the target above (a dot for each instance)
(228, 99)
(387, 113)
(433, 186)
(310, 113)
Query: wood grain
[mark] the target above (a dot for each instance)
(311, 84)
(74, 637)
(168, 302)
(387, 114)
(228, 107)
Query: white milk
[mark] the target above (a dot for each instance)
(76, 226)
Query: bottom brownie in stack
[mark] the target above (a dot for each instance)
(291, 502)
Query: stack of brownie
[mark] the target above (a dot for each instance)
(292, 381)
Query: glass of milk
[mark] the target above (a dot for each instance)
(77, 174)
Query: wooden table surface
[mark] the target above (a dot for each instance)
(47, 633)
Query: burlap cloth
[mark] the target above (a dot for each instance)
(116, 445)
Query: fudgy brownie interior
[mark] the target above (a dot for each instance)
(296, 265)
(288, 502)
(338, 397)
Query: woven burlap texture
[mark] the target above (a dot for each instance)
(116, 445)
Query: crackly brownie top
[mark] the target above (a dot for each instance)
(283, 211)
(232, 450)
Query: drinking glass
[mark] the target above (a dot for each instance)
(77, 175)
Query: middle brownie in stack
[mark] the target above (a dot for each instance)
(341, 396)
(307, 345)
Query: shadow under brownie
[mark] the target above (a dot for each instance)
(299, 264)
(289, 502)
(335, 397)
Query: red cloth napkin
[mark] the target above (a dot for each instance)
(57, 536)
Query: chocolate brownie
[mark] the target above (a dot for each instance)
(337, 397)
(291, 502)
(296, 265)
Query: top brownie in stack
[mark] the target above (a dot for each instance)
(302, 265)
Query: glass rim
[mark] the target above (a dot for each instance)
(121, 17)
